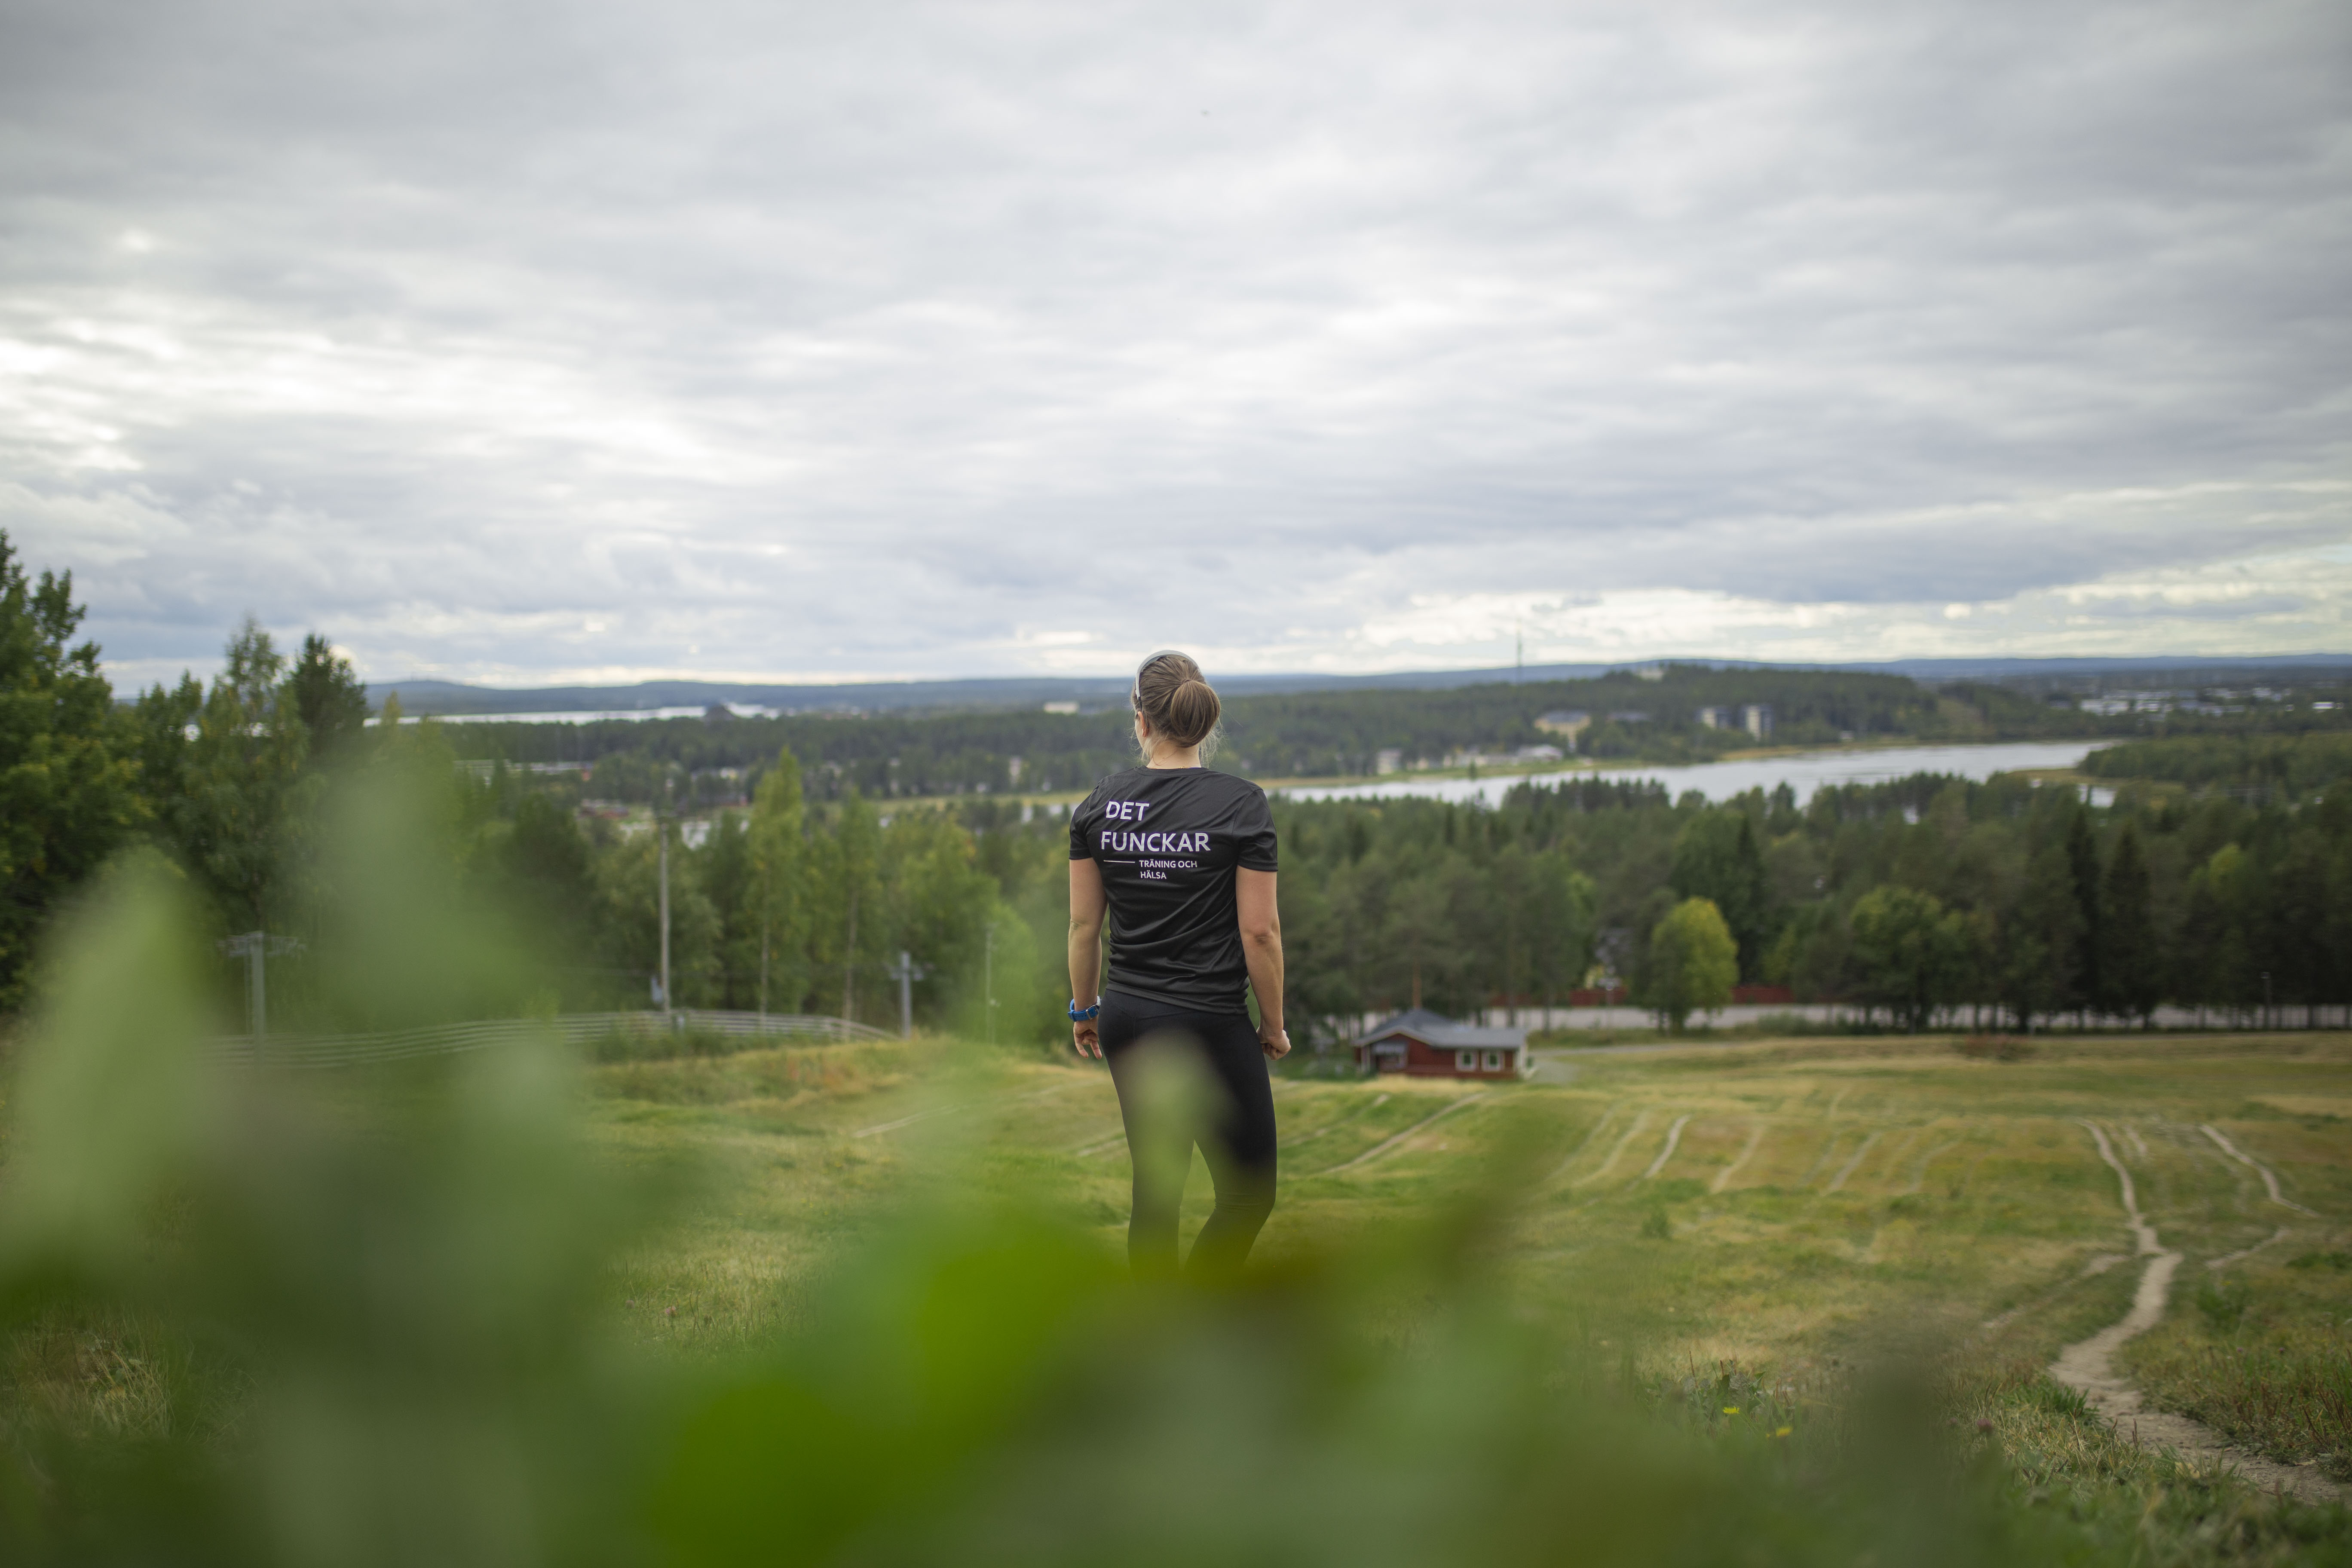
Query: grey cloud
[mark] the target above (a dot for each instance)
(516, 315)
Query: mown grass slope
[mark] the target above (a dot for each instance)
(1777, 1211)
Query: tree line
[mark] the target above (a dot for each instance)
(1929, 898)
(1924, 899)
(257, 786)
(1297, 736)
(2286, 766)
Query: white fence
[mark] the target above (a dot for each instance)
(573, 1029)
(2282, 1017)
(1947, 1020)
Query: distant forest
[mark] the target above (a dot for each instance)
(717, 760)
(2260, 766)
(2220, 876)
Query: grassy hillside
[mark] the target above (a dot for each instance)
(1817, 1195)
(1786, 1302)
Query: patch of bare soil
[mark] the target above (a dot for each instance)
(2089, 1366)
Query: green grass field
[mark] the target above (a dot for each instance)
(1775, 1300)
(1782, 1210)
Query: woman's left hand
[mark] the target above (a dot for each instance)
(1275, 1042)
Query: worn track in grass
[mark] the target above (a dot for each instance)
(1781, 1205)
(2088, 1365)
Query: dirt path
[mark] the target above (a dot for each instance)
(1919, 1174)
(1722, 1177)
(2227, 1259)
(1849, 1167)
(1674, 1136)
(1641, 1120)
(2270, 1181)
(1380, 1149)
(1335, 1126)
(963, 1105)
(2089, 1366)
(1608, 1115)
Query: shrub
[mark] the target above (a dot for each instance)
(1994, 1048)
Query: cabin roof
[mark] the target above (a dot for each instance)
(1436, 1030)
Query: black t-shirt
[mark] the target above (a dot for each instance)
(1168, 840)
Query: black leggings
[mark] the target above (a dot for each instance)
(1237, 1139)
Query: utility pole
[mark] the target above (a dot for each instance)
(1520, 657)
(849, 962)
(906, 972)
(661, 833)
(988, 979)
(253, 946)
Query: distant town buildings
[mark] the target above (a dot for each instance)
(484, 767)
(1388, 761)
(1755, 717)
(2211, 701)
(1470, 756)
(2109, 706)
(1568, 723)
(1061, 707)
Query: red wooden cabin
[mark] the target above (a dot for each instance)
(1422, 1043)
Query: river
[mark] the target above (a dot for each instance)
(1802, 772)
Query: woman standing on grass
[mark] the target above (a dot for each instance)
(1183, 861)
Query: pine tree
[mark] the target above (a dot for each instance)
(327, 697)
(780, 904)
(2298, 906)
(856, 844)
(241, 800)
(1715, 858)
(68, 780)
(2085, 990)
(2042, 940)
(2129, 966)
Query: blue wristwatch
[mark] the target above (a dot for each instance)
(1082, 1015)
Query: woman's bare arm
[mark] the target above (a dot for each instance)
(1262, 947)
(1087, 907)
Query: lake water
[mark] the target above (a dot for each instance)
(1803, 772)
(590, 716)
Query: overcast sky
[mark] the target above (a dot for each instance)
(524, 342)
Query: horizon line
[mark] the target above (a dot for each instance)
(2148, 661)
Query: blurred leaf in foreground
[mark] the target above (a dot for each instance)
(378, 1299)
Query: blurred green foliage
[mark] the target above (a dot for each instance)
(363, 1318)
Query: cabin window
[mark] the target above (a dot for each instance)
(1494, 1061)
(1465, 1061)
